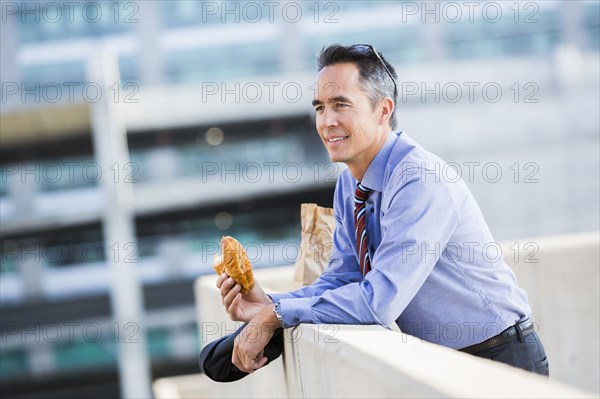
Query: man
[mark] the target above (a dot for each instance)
(409, 244)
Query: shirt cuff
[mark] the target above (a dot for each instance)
(275, 297)
(295, 311)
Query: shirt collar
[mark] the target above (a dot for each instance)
(373, 177)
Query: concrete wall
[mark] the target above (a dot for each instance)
(560, 275)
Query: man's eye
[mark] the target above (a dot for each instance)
(319, 108)
(341, 105)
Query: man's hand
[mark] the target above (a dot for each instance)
(241, 307)
(249, 345)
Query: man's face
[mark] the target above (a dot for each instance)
(351, 130)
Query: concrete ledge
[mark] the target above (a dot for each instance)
(184, 386)
(263, 384)
(370, 361)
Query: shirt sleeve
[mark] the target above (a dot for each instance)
(418, 218)
(342, 267)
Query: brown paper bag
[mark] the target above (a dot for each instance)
(316, 244)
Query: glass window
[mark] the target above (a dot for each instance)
(197, 65)
(4, 178)
(59, 249)
(481, 38)
(67, 173)
(193, 12)
(158, 341)
(592, 25)
(399, 45)
(10, 258)
(96, 350)
(45, 21)
(54, 73)
(13, 363)
(129, 68)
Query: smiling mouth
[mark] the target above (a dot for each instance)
(336, 139)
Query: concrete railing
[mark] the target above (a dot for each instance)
(370, 361)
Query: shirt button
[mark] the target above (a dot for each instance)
(372, 249)
(372, 210)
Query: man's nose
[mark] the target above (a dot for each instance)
(328, 118)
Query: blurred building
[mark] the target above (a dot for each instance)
(222, 142)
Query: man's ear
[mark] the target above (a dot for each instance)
(387, 107)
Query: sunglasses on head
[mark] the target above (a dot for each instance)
(364, 49)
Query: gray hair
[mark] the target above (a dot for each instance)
(374, 78)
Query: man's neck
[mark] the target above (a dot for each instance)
(359, 169)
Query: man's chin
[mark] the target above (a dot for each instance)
(336, 158)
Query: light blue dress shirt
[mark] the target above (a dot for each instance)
(436, 269)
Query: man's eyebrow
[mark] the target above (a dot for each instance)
(341, 99)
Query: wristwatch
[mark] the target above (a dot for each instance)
(277, 311)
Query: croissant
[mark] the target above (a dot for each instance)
(234, 261)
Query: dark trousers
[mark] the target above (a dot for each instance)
(526, 353)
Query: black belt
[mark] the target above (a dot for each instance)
(519, 330)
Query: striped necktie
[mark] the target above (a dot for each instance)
(360, 204)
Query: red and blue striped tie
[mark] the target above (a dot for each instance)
(360, 204)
